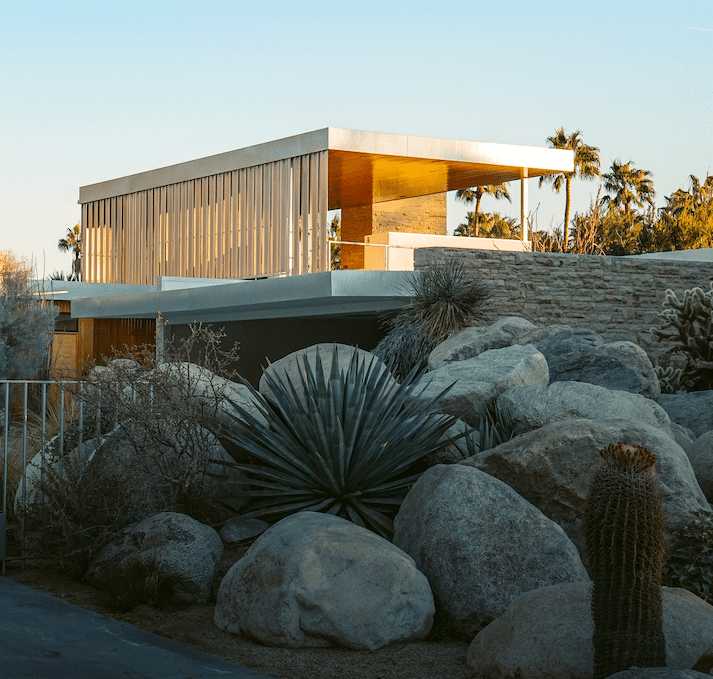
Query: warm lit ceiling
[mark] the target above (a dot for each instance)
(365, 178)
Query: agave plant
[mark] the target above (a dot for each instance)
(344, 443)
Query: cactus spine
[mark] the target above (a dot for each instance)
(624, 536)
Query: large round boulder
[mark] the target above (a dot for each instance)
(693, 410)
(480, 544)
(534, 406)
(174, 545)
(472, 341)
(700, 453)
(620, 366)
(552, 468)
(316, 580)
(210, 392)
(547, 634)
(290, 368)
(477, 381)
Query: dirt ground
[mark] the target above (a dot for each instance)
(436, 658)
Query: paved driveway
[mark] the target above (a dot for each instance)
(42, 637)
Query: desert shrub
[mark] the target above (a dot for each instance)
(347, 447)
(689, 562)
(143, 582)
(26, 321)
(144, 450)
(496, 426)
(445, 298)
(14, 466)
(687, 325)
(81, 508)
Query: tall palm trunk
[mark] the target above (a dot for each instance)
(476, 221)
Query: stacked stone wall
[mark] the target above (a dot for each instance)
(618, 297)
(422, 214)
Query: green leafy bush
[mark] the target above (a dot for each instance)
(344, 443)
(445, 298)
(689, 563)
(688, 327)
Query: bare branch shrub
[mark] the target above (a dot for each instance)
(143, 449)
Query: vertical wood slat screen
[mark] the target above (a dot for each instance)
(263, 220)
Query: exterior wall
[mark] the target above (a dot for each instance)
(402, 246)
(271, 339)
(100, 338)
(618, 297)
(65, 363)
(356, 225)
(260, 220)
(422, 214)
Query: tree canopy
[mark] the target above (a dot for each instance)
(475, 195)
(586, 166)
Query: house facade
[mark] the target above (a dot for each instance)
(252, 224)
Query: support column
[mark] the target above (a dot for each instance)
(523, 203)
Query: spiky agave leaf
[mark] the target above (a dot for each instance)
(339, 442)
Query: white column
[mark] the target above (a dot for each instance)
(523, 203)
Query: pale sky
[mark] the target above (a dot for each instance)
(94, 91)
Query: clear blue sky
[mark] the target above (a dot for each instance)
(93, 91)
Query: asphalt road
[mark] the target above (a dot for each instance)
(42, 637)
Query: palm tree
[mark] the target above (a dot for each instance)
(626, 185)
(682, 201)
(586, 166)
(492, 225)
(73, 241)
(475, 194)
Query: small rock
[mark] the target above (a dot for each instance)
(237, 531)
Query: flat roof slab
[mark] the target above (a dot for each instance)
(319, 294)
(364, 167)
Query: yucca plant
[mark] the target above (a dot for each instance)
(340, 442)
(445, 298)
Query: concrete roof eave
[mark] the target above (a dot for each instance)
(318, 294)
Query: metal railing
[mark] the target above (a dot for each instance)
(26, 408)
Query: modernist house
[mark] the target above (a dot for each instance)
(241, 239)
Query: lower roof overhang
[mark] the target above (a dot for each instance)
(311, 295)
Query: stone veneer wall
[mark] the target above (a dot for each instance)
(422, 214)
(618, 297)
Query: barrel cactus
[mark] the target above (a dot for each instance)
(625, 542)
